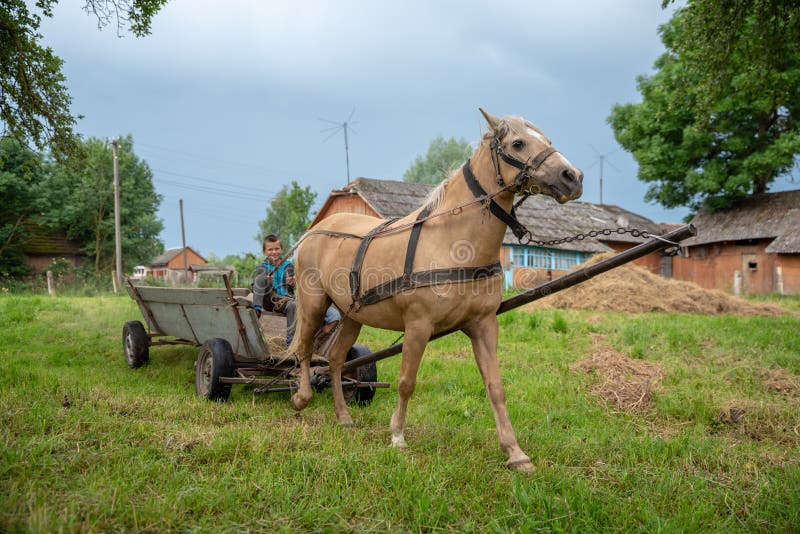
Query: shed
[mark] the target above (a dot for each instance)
(751, 247)
(43, 246)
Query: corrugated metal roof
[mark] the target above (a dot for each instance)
(546, 218)
(771, 215)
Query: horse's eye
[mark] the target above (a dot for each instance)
(518, 144)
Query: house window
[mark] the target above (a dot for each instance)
(547, 258)
(539, 258)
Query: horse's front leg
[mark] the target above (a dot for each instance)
(345, 337)
(308, 317)
(415, 338)
(483, 334)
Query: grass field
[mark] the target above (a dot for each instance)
(90, 445)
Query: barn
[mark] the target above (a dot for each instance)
(751, 247)
(523, 265)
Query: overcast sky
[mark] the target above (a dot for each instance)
(224, 103)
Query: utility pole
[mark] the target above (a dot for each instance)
(185, 254)
(117, 236)
(602, 158)
(338, 126)
(346, 152)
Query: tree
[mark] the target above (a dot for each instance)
(762, 33)
(80, 196)
(288, 214)
(21, 175)
(443, 157)
(707, 140)
(34, 102)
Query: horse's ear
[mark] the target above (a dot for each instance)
(494, 122)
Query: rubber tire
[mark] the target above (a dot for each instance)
(214, 361)
(135, 344)
(365, 373)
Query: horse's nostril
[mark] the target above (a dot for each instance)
(569, 175)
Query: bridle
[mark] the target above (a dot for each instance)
(526, 169)
(518, 185)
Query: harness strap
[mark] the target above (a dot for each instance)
(413, 241)
(358, 259)
(428, 278)
(509, 219)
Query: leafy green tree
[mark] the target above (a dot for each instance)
(34, 102)
(21, 176)
(288, 215)
(708, 147)
(762, 34)
(444, 155)
(80, 196)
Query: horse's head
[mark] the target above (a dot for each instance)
(521, 150)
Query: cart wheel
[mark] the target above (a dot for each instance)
(135, 344)
(214, 361)
(365, 373)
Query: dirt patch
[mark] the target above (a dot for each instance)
(758, 421)
(781, 381)
(634, 289)
(626, 383)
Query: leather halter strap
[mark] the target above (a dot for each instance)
(478, 191)
(413, 241)
(429, 278)
(358, 259)
(526, 169)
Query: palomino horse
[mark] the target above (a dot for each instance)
(433, 270)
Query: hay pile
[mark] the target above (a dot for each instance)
(634, 289)
(625, 383)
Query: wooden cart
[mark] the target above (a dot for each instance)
(233, 342)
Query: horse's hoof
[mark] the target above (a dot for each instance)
(347, 424)
(523, 465)
(399, 443)
(298, 403)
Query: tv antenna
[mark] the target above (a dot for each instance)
(603, 158)
(336, 128)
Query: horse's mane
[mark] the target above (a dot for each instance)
(436, 196)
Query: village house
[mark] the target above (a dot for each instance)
(171, 266)
(523, 265)
(752, 247)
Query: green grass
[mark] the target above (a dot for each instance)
(88, 444)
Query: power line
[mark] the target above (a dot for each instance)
(213, 190)
(226, 162)
(215, 182)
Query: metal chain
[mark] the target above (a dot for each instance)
(528, 238)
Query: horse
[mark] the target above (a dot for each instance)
(432, 270)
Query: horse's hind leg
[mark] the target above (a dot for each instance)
(309, 314)
(483, 334)
(345, 337)
(416, 337)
